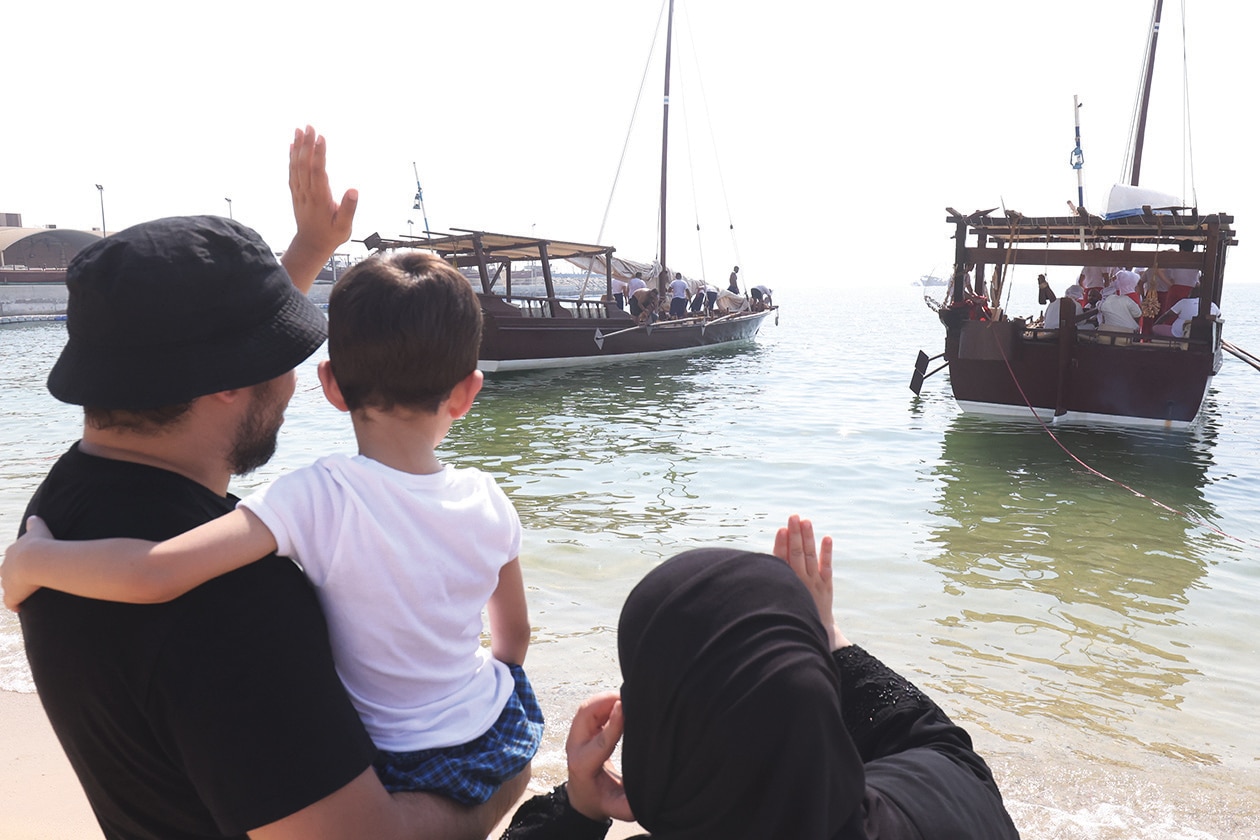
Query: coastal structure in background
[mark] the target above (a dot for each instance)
(33, 264)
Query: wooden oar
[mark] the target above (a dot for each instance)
(600, 336)
(704, 326)
(916, 381)
(1242, 354)
(1234, 348)
(921, 363)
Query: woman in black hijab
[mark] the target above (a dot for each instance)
(745, 717)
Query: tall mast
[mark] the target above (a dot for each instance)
(669, 39)
(1146, 94)
(418, 204)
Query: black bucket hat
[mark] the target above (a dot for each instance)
(177, 308)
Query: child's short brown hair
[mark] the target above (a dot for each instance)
(403, 330)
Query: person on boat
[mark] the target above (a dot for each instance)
(620, 288)
(760, 297)
(1092, 319)
(376, 535)
(1045, 294)
(643, 305)
(968, 291)
(1126, 283)
(636, 282)
(1174, 322)
(221, 712)
(1095, 276)
(1120, 312)
(1181, 280)
(745, 714)
(700, 300)
(678, 292)
(1054, 310)
(732, 285)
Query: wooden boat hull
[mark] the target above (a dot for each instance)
(528, 343)
(999, 368)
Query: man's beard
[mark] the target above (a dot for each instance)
(257, 433)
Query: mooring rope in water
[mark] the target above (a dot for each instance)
(1193, 518)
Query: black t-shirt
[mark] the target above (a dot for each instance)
(207, 716)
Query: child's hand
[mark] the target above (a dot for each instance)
(16, 590)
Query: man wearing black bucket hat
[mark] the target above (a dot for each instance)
(218, 714)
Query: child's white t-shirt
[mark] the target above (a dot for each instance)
(403, 565)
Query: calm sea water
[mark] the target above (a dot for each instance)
(1101, 649)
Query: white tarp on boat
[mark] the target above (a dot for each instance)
(1125, 200)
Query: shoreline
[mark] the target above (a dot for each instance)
(40, 796)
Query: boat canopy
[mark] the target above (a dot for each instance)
(475, 248)
(1208, 232)
(468, 247)
(1178, 240)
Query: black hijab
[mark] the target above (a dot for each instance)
(732, 705)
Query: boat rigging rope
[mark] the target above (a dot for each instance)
(717, 159)
(1192, 518)
(999, 280)
(1127, 163)
(691, 171)
(599, 238)
(625, 145)
(1187, 151)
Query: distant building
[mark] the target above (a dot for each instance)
(39, 248)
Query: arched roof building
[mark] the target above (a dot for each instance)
(42, 247)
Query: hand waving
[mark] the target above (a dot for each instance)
(795, 546)
(323, 224)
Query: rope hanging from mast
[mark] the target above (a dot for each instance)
(1187, 152)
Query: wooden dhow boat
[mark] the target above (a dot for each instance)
(533, 328)
(525, 327)
(1011, 366)
(1061, 371)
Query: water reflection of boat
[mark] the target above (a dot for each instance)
(580, 460)
(1082, 581)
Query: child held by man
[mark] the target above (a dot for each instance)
(404, 552)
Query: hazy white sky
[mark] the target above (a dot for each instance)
(842, 130)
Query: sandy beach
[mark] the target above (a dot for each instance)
(39, 794)
(40, 797)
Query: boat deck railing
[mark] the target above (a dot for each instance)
(1114, 339)
(540, 307)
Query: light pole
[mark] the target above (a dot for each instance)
(229, 201)
(410, 232)
(101, 190)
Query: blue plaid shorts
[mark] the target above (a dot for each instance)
(471, 773)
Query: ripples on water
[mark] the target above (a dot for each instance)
(1100, 647)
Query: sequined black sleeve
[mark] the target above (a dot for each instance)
(904, 738)
(551, 817)
(879, 705)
